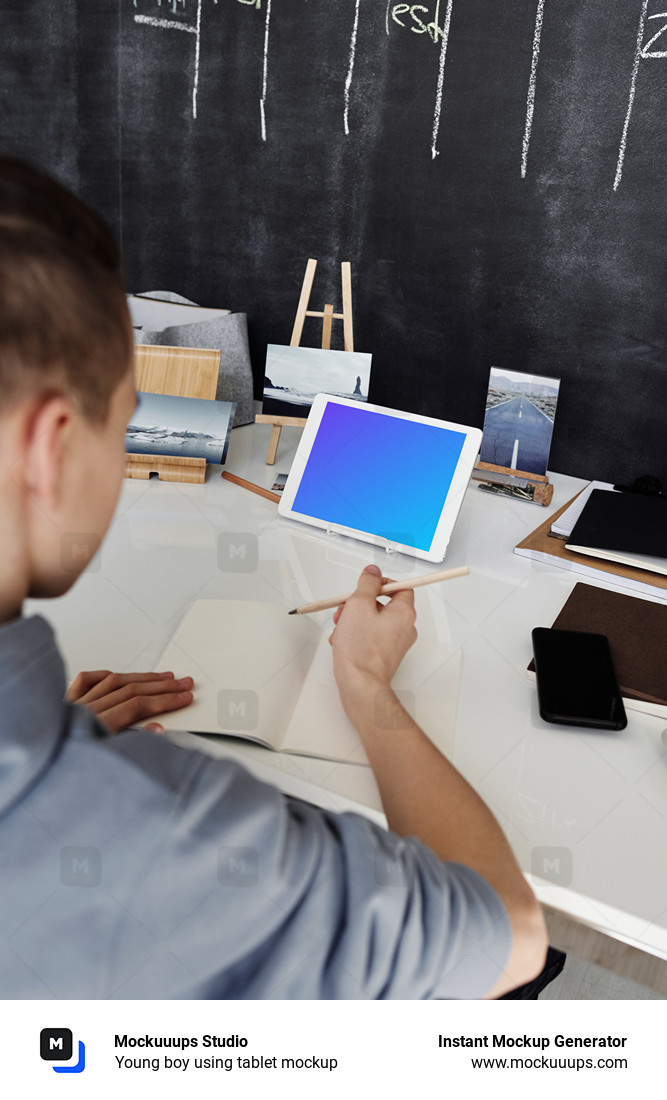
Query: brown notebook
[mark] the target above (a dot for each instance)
(637, 632)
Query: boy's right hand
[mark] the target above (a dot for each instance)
(371, 639)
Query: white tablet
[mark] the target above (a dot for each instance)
(387, 477)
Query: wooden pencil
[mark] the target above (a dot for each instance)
(250, 486)
(386, 590)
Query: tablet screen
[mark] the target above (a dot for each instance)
(378, 473)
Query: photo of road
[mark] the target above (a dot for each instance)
(519, 421)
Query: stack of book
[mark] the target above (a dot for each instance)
(623, 527)
(617, 536)
(637, 633)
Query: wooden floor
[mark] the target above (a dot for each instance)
(583, 981)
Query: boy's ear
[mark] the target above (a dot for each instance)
(47, 439)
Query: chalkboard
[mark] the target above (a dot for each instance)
(495, 173)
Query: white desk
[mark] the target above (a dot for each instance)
(595, 802)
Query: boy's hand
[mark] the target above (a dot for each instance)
(121, 699)
(371, 639)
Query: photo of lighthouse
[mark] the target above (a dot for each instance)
(294, 375)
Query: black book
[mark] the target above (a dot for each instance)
(623, 527)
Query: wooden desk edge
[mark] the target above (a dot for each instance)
(592, 945)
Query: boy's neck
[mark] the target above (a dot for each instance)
(9, 611)
(13, 580)
(14, 547)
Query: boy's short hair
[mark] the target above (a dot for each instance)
(64, 322)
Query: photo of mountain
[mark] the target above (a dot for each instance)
(184, 427)
(294, 375)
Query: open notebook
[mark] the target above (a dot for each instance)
(265, 676)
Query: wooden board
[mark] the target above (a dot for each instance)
(166, 467)
(181, 372)
(283, 421)
(488, 467)
(541, 542)
(178, 372)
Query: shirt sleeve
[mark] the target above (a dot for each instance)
(402, 924)
(256, 895)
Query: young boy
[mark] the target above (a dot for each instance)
(132, 867)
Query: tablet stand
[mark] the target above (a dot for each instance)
(180, 372)
(331, 532)
(328, 316)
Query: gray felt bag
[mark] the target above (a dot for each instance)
(228, 334)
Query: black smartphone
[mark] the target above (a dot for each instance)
(576, 681)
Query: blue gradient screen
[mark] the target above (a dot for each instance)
(380, 474)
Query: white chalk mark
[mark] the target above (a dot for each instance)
(348, 80)
(530, 108)
(647, 47)
(441, 80)
(265, 72)
(433, 28)
(195, 86)
(170, 24)
(386, 16)
(633, 85)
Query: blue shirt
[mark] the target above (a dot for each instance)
(133, 868)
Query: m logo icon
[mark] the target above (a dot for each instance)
(238, 552)
(237, 710)
(78, 551)
(552, 863)
(80, 866)
(55, 1044)
(238, 866)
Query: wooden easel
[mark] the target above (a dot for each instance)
(328, 316)
(181, 372)
(519, 483)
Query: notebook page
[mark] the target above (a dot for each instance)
(248, 661)
(427, 684)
